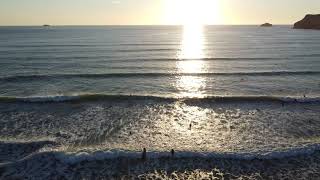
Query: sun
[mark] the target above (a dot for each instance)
(192, 12)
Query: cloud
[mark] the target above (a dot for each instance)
(115, 2)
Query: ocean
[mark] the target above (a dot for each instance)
(229, 100)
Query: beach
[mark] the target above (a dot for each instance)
(82, 102)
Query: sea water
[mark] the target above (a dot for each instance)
(214, 91)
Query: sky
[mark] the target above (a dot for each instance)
(154, 12)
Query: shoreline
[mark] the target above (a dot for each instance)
(46, 165)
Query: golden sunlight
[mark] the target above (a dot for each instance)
(190, 55)
(192, 44)
(192, 12)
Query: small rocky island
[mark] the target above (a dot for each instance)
(266, 25)
(310, 21)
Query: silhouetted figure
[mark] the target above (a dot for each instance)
(144, 154)
(190, 126)
(130, 133)
(304, 96)
(172, 153)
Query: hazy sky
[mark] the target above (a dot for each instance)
(103, 12)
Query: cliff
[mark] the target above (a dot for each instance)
(308, 22)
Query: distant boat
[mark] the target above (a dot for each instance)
(266, 25)
(46, 25)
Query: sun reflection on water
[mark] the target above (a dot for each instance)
(192, 44)
(190, 62)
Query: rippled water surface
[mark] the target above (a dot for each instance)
(159, 60)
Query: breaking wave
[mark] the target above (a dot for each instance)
(143, 75)
(112, 154)
(97, 97)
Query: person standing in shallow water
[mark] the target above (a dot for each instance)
(144, 154)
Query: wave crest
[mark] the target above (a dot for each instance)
(142, 75)
(97, 97)
(113, 154)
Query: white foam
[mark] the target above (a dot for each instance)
(58, 98)
(300, 99)
(73, 158)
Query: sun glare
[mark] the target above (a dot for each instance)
(192, 44)
(190, 61)
(192, 12)
(193, 15)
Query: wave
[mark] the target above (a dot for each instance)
(80, 97)
(197, 59)
(113, 58)
(110, 97)
(129, 75)
(117, 59)
(98, 155)
(101, 50)
(76, 156)
(145, 50)
(307, 55)
(118, 164)
(73, 158)
(90, 45)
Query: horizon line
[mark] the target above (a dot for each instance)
(35, 25)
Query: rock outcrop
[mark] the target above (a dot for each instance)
(308, 22)
(266, 25)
